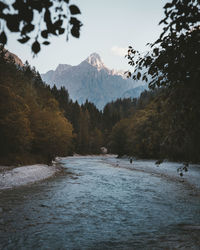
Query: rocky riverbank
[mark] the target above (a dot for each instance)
(18, 176)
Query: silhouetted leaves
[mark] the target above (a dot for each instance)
(75, 32)
(55, 16)
(173, 65)
(44, 33)
(47, 18)
(46, 43)
(12, 22)
(36, 47)
(74, 10)
(175, 55)
(3, 6)
(3, 38)
(61, 31)
(24, 39)
(27, 28)
(76, 24)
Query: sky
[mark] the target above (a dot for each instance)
(109, 27)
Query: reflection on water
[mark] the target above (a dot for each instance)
(99, 206)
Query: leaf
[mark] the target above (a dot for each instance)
(26, 15)
(12, 22)
(75, 32)
(75, 21)
(168, 5)
(58, 23)
(36, 47)
(24, 39)
(46, 43)
(47, 17)
(3, 6)
(37, 5)
(61, 31)
(3, 38)
(44, 33)
(18, 5)
(28, 28)
(74, 10)
(52, 29)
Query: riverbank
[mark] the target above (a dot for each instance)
(19, 176)
(167, 170)
(96, 205)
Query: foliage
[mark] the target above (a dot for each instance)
(119, 138)
(153, 132)
(173, 64)
(174, 57)
(32, 127)
(37, 20)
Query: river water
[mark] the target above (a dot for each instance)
(104, 203)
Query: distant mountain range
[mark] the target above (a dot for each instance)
(91, 80)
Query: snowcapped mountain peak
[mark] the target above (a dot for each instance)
(91, 80)
(118, 73)
(95, 60)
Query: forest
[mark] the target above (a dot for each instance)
(38, 123)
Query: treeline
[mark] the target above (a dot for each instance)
(86, 120)
(33, 129)
(166, 125)
(38, 123)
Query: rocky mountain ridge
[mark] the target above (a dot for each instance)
(91, 80)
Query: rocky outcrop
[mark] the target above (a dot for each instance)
(11, 56)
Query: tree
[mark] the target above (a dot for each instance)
(39, 18)
(83, 133)
(119, 138)
(52, 134)
(174, 58)
(15, 132)
(96, 141)
(33, 128)
(173, 64)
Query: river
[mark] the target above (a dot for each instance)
(104, 203)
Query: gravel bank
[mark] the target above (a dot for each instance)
(25, 175)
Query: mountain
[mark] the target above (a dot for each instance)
(135, 92)
(91, 80)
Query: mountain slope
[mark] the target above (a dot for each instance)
(90, 80)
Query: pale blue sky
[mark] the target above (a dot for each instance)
(109, 27)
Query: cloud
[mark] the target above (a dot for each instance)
(119, 51)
